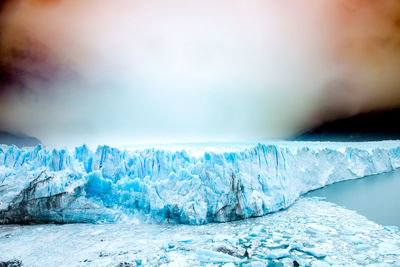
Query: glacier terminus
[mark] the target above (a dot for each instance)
(189, 185)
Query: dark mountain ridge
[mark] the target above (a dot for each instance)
(20, 140)
(374, 126)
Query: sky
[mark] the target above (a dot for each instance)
(151, 71)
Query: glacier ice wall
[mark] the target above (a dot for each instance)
(42, 185)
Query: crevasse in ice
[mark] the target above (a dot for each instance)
(40, 184)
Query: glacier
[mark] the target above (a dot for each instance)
(189, 184)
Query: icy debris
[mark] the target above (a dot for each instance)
(317, 252)
(362, 247)
(205, 255)
(11, 263)
(256, 264)
(393, 228)
(388, 247)
(232, 250)
(188, 245)
(320, 229)
(356, 239)
(277, 254)
(319, 263)
(43, 185)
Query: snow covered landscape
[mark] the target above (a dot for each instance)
(199, 133)
(141, 205)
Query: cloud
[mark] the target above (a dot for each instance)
(167, 71)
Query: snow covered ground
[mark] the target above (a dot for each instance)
(190, 184)
(143, 201)
(312, 232)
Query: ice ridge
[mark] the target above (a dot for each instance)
(41, 185)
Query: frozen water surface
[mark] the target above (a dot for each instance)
(312, 232)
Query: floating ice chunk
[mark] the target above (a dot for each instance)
(389, 247)
(232, 250)
(319, 229)
(356, 239)
(277, 254)
(392, 228)
(205, 255)
(362, 247)
(259, 264)
(320, 264)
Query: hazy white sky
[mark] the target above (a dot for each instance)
(86, 71)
